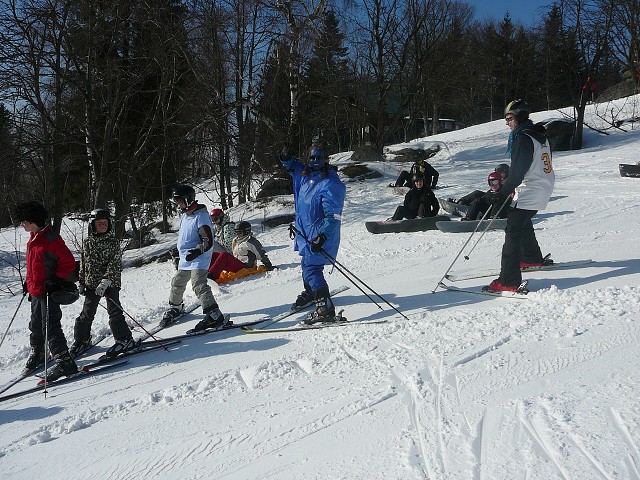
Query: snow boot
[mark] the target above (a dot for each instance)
(214, 320)
(78, 347)
(325, 310)
(63, 367)
(171, 315)
(121, 346)
(36, 358)
(305, 298)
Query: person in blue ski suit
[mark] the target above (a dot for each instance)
(319, 197)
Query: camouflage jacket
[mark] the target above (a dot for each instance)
(101, 258)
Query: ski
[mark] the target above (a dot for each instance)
(293, 311)
(26, 373)
(521, 294)
(87, 370)
(142, 348)
(153, 331)
(495, 273)
(318, 326)
(227, 326)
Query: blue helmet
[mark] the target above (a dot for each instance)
(317, 158)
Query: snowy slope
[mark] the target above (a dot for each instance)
(469, 387)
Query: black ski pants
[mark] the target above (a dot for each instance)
(520, 244)
(117, 322)
(39, 320)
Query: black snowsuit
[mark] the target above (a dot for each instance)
(422, 167)
(479, 206)
(418, 203)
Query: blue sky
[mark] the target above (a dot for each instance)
(528, 12)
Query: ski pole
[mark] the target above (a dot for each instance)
(461, 250)
(466, 257)
(342, 269)
(46, 342)
(135, 321)
(12, 319)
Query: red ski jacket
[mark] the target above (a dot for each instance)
(48, 258)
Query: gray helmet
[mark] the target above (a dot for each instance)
(503, 168)
(243, 228)
(519, 109)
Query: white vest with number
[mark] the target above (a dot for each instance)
(536, 187)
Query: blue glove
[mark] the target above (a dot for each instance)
(193, 254)
(102, 287)
(318, 242)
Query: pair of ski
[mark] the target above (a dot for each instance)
(301, 326)
(26, 372)
(98, 366)
(522, 290)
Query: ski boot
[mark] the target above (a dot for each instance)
(325, 310)
(121, 346)
(496, 286)
(545, 261)
(78, 347)
(305, 298)
(213, 320)
(171, 315)
(36, 358)
(63, 367)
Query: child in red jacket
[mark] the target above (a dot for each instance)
(49, 264)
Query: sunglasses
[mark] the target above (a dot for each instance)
(510, 119)
(494, 182)
(315, 157)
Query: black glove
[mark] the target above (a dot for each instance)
(25, 289)
(193, 254)
(82, 289)
(318, 242)
(51, 286)
(493, 198)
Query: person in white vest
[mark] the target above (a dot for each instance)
(195, 239)
(530, 182)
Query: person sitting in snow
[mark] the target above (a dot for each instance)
(481, 204)
(502, 169)
(223, 231)
(100, 276)
(420, 167)
(419, 202)
(246, 252)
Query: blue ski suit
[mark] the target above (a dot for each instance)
(319, 200)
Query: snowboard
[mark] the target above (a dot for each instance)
(453, 208)
(398, 226)
(629, 170)
(470, 225)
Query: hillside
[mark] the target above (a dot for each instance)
(469, 387)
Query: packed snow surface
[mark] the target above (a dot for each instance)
(465, 387)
